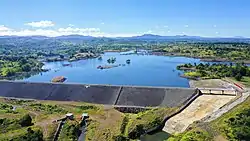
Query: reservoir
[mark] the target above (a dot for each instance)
(143, 70)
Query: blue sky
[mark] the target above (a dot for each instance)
(209, 18)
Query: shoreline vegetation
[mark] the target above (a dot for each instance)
(215, 71)
(208, 52)
(23, 66)
(204, 59)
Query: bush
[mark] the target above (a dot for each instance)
(192, 135)
(70, 131)
(124, 124)
(238, 127)
(238, 77)
(47, 108)
(25, 121)
(137, 132)
(8, 125)
(30, 135)
(87, 107)
(120, 138)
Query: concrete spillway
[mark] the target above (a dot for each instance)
(99, 94)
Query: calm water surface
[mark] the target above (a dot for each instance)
(144, 70)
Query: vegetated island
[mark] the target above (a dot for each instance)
(111, 60)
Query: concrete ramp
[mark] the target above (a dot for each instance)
(201, 107)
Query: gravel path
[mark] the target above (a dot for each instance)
(226, 108)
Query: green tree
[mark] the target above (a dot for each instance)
(7, 72)
(26, 120)
(61, 56)
(238, 77)
(26, 68)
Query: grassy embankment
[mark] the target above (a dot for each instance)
(43, 115)
(119, 126)
(105, 123)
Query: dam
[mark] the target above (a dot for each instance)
(98, 94)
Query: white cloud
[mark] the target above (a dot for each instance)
(186, 26)
(70, 29)
(95, 32)
(71, 25)
(215, 25)
(169, 31)
(102, 23)
(4, 28)
(41, 24)
(216, 32)
(149, 32)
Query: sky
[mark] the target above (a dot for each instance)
(125, 18)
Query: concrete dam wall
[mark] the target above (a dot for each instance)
(99, 94)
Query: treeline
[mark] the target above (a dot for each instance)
(216, 70)
(14, 65)
(216, 51)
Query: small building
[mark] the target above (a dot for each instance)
(70, 116)
(85, 116)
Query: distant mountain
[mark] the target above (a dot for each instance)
(74, 37)
(136, 39)
(159, 37)
(239, 37)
